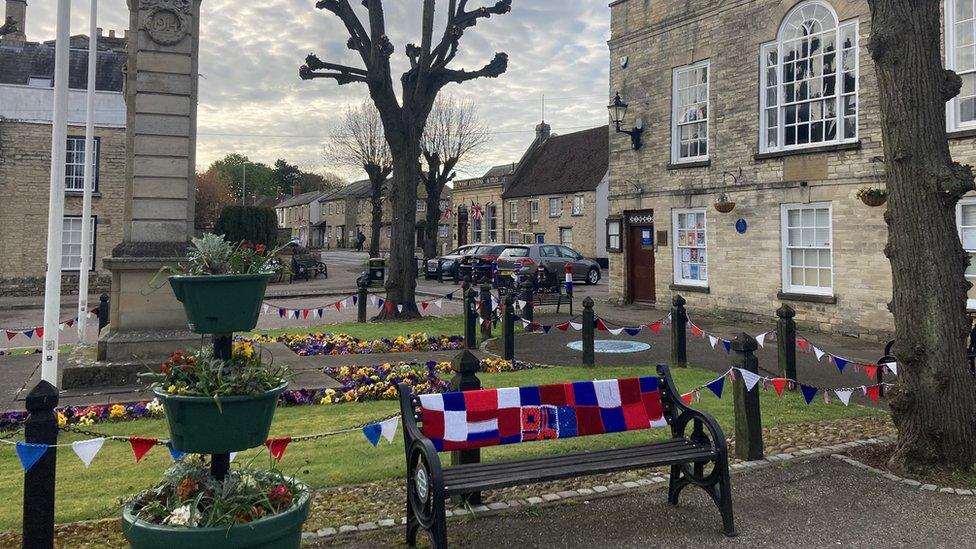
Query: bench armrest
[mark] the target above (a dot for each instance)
(682, 415)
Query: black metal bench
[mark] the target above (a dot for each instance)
(557, 298)
(307, 267)
(697, 458)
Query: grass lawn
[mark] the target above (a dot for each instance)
(452, 325)
(348, 458)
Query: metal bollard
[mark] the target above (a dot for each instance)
(589, 325)
(786, 342)
(470, 319)
(486, 312)
(363, 296)
(679, 333)
(103, 312)
(508, 327)
(748, 418)
(527, 290)
(466, 367)
(39, 481)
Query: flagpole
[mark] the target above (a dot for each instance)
(55, 221)
(86, 229)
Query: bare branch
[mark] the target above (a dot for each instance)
(494, 69)
(359, 40)
(341, 73)
(459, 20)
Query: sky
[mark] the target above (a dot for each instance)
(253, 102)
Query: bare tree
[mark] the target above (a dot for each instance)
(358, 142)
(452, 135)
(934, 403)
(405, 117)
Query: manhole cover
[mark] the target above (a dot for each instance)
(611, 346)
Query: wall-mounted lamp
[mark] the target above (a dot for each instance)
(618, 109)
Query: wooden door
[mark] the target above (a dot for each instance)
(640, 253)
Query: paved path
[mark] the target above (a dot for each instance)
(818, 503)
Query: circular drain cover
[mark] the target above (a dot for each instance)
(612, 346)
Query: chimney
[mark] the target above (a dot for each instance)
(17, 12)
(111, 33)
(98, 31)
(542, 132)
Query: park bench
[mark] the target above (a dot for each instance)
(556, 297)
(468, 420)
(306, 266)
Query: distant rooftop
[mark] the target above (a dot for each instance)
(32, 63)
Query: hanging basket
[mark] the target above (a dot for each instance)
(281, 531)
(724, 207)
(874, 200)
(221, 304)
(198, 426)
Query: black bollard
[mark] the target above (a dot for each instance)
(466, 367)
(470, 319)
(103, 312)
(363, 294)
(748, 418)
(508, 327)
(679, 333)
(41, 428)
(527, 290)
(786, 341)
(486, 312)
(223, 350)
(589, 325)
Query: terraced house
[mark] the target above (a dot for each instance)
(774, 104)
(26, 98)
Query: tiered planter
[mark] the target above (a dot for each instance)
(219, 306)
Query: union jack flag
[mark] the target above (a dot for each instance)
(491, 417)
(477, 213)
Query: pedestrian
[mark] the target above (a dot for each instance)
(360, 240)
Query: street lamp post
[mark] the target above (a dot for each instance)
(618, 110)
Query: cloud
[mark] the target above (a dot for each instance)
(252, 101)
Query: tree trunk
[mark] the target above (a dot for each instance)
(934, 403)
(401, 282)
(433, 216)
(376, 203)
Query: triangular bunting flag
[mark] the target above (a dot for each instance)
(521, 304)
(400, 308)
(601, 326)
(576, 326)
(546, 329)
(174, 453)
(379, 303)
(424, 305)
(277, 447)
(450, 296)
(10, 335)
(439, 303)
(304, 313)
(281, 313)
(695, 330)
(355, 300)
(728, 345)
(563, 327)
(389, 306)
(873, 393)
(656, 327)
(840, 362)
(389, 428)
(808, 392)
(844, 395)
(713, 341)
(717, 386)
(779, 384)
(616, 331)
(688, 398)
(39, 332)
(87, 449)
(761, 340)
(749, 379)
(818, 352)
(141, 446)
(373, 432)
(892, 366)
(296, 312)
(372, 300)
(801, 344)
(338, 305)
(29, 334)
(30, 454)
(872, 371)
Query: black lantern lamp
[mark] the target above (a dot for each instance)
(618, 110)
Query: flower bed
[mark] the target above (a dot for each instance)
(342, 344)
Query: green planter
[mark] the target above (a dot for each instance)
(282, 531)
(221, 304)
(197, 426)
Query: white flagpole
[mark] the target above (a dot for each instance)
(86, 236)
(55, 221)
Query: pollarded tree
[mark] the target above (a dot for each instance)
(405, 117)
(358, 142)
(934, 403)
(453, 134)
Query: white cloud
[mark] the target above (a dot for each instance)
(253, 102)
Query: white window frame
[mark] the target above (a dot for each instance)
(953, 122)
(534, 211)
(558, 201)
(677, 246)
(513, 212)
(74, 172)
(788, 286)
(514, 236)
(491, 218)
(578, 204)
(443, 231)
(562, 241)
(969, 201)
(676, 124)
(839, 94)
(69, 222)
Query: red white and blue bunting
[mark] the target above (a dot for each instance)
(37, 332)
(781, 384)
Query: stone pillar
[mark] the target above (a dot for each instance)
(161, 102)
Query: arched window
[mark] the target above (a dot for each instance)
(960, 32)
(809, 81)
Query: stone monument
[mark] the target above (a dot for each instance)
(146, 324)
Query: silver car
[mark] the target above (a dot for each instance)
(551, 257)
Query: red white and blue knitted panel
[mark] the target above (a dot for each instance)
(491, 417)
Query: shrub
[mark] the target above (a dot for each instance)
(251, 223)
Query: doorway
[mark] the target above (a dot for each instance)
(640, 257)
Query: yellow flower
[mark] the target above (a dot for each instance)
(117, 411)
(325, 401)
(62, 420)
(171, 389)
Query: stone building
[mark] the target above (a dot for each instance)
(299, 214)
(26, 98)
(477, 213)
(559, 193)
(773, 103)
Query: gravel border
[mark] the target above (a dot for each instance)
(911, 483)
(656, 479)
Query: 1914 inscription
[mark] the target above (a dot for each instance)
(166, 22)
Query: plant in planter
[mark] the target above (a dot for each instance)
(872, 196)
(723, 204)
(189, 508)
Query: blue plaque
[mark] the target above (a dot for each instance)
(741, 226)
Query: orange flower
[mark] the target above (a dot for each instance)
(166, 368)
(260, 248)
(187, 489)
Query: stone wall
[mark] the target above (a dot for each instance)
(25, 163)
(584, 226)
(648, 41)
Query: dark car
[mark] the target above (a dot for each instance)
(480, 261)
(550, 257)
(448, 262)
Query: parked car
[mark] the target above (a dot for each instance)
(479, 262)
(552, 259)
(448, 262)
